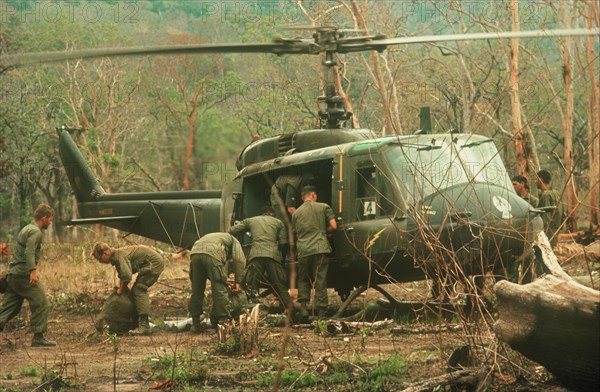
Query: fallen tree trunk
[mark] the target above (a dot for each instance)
(554, 321)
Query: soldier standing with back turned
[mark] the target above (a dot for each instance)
(23, 280)
(311, 222)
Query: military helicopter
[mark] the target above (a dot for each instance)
(403, 203)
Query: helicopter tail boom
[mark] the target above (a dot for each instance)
(84, 183)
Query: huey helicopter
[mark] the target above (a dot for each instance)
(400, 201)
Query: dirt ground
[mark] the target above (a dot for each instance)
(419, 349)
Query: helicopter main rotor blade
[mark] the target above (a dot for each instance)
(278, 47)
(381, 44)
(284, 46)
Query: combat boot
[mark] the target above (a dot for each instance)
(196, 327)
(143, 327)
(39, 341)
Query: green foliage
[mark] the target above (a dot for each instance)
(179, 369)
(391, 367)
(63, 300)
(54, 380)
(232, 344)
(378, 376)
(364, 336)
(29, 371)
(321, 328)
(288, 377)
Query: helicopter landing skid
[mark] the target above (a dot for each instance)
(266, 292)
(358, 291)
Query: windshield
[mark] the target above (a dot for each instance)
(483, 162)
(424, 169)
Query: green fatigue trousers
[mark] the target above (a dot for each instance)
(313, 270)
(531, 268)
(267, 272)
(510, 270)
(204, 267)
(239, 303)
(139, 291)
(18, 290)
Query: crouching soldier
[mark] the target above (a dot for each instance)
(128, 260)
(208, 260)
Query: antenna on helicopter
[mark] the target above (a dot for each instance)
(425, 120)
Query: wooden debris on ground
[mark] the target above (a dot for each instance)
(554, 321)
(466, 379)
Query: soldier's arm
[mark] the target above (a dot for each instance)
(546, 201)
(239, 260)
(31, 245)
(330, 219)
(239, 228)
(282, 234)
(125, 274)
(291, 199)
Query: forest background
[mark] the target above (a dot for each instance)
(179, 122)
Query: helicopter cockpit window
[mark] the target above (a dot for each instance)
(483, 161)
(366, 193)
(425, 169)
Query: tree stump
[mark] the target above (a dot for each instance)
(553, 321)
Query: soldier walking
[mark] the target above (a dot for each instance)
(311, 222)
(23, 281)
(128, 260)
(269, 238)
(208, 260)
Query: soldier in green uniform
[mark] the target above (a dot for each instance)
(128, 260)
(521, 186)
(208, 260)
(549, 197)
(311, 222)
(269, 236)
(23, 281)
(527, 260)
(287, 187)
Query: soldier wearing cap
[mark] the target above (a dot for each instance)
(269, 237)
(310, 222)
